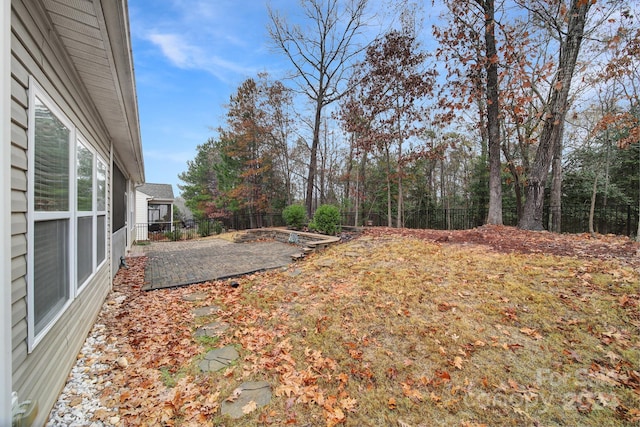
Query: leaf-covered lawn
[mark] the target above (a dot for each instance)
(397, 327)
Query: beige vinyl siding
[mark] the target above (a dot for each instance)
(60, 347)
(41, 374)
(19, 159)
(51, 68)
(19, 106)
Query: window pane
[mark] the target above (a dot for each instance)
(84, 165)
(101, 178)
(118, 198)
(85, 248)
(51, 173)
(159, 213)
(101, 240)
(50, 270)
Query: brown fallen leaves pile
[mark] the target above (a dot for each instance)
(492, 326)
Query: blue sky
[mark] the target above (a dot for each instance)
(189, 57)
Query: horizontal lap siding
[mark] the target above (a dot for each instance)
(41, 374)
(19, 107)
(60, 347)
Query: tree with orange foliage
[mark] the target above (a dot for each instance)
(387, 110)
(246, 177)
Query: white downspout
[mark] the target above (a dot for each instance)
(5, 214)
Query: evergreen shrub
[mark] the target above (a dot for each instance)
(295, 216)
(326, 220)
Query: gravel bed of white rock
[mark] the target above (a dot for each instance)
(80, 399)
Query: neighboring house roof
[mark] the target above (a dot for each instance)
(157, 191)
(183, 208)
(96, 35)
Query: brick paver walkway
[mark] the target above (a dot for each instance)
(172, 264)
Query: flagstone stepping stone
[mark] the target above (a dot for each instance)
(196, 296)
(327, 263)
(218, 359)
(205, 311)
(295, 273)
(213, 329)
(246, 398)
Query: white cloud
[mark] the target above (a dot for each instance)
(185, 55)
(174, 48)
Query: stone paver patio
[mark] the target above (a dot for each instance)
(173, 264)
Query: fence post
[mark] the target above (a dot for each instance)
(629, 220)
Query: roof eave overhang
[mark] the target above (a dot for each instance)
(104, 66)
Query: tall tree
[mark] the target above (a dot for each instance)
(493, 108)
(278, 108)
(200, 181)
(469, 47)
(320, 53)
(622, 69)
(248, 145)
(570, 28)
(393, 84)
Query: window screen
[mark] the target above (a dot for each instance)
(101, 238)
(51, 272)
(84, 242)
(84, 178)
(119, 199)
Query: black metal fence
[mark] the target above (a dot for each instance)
(245, 222)
(616, 219)
(190, 229)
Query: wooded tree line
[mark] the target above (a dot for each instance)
(516, 104)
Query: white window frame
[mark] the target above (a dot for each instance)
(36, 91)
(71, 215)
(103, 212)
(85, 214)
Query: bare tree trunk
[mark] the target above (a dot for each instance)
(313, 159)
(389, 218)
(320, 58)
(287, 181)
(357, 197)
(348, 185)
(323, 166)
(605, 196)
(493, 121)
(400, 220)
(593, 206)
(448, 217)
(556, 190)
(442, 186)
(431, 187)
(360, 171)
(555, 113)
(516, 181)
(606, 170)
